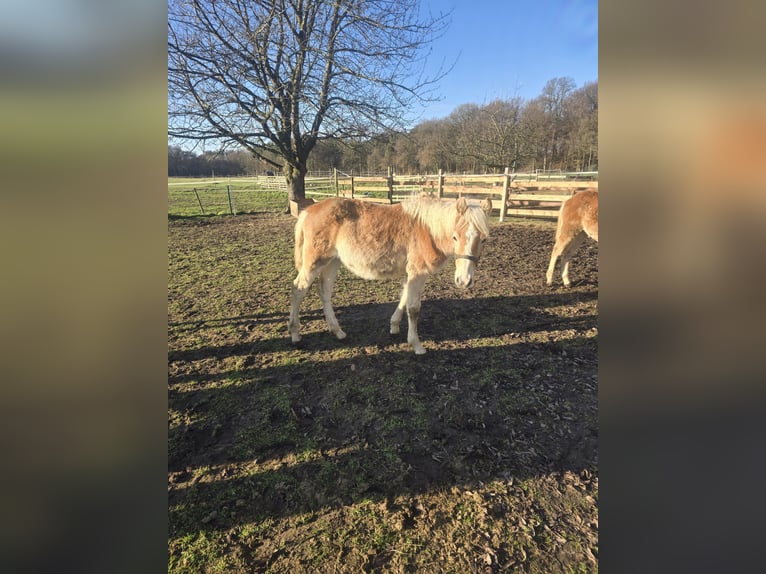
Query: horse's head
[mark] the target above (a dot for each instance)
(471, 231)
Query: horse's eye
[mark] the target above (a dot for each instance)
(483, 240)
(454, 238)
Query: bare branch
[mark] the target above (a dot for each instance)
(282, 75)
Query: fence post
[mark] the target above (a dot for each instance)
(440, 193)
(228, 192)
(506, 190)
(194, 189)
(335, 179)
(390, 184)
(352, 185)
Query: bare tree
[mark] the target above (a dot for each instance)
(405, 154)
(583, 134)
(554, 103)
(488, 137)
(434, 145)
(275, 77)
(462, 148)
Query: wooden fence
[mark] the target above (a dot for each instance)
(513, 194)
(519, 194)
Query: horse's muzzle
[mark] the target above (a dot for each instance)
(461, 284)
(465, 280)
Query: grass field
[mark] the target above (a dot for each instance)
(212, 197)
(357, 455)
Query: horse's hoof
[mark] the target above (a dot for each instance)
(340, 335)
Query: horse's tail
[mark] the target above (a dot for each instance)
(299, 240)
(560, 222)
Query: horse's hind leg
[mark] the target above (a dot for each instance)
(396, 318)
(301, 285)
(566, 256)
(326, 285)
(558, 248)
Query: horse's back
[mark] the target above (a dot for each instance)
(338, 215)
(341, 210)
(369, 239)
(581, 210)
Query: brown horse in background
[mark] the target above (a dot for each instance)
(413, 238)
(578, 217)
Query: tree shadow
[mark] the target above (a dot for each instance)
(483, 404)
(368, 324)
(246, 320)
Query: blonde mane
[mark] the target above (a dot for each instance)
(439, 216)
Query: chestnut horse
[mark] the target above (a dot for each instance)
(412, 238)
(578, 217)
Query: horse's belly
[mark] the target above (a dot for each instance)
(373, 271)
(372, 265)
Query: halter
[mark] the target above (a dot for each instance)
(473, 258)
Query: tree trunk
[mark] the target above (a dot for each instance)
(296, 182)
(296, 189)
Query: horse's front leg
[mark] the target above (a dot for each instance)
(414, 289)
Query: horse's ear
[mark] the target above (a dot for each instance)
(486, 205)
(461, 205)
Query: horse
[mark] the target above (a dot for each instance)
(412, 239)
(577, 218)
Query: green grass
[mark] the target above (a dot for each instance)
(212, 195)
(214, 200)
(247, 196)
(202, 552)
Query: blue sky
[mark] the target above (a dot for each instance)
(510, 48)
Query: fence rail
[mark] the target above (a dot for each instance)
(537, 194)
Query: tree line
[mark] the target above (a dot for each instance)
(556, 130)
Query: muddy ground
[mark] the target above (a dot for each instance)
(357, 455)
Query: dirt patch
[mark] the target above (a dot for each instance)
(357, 455)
